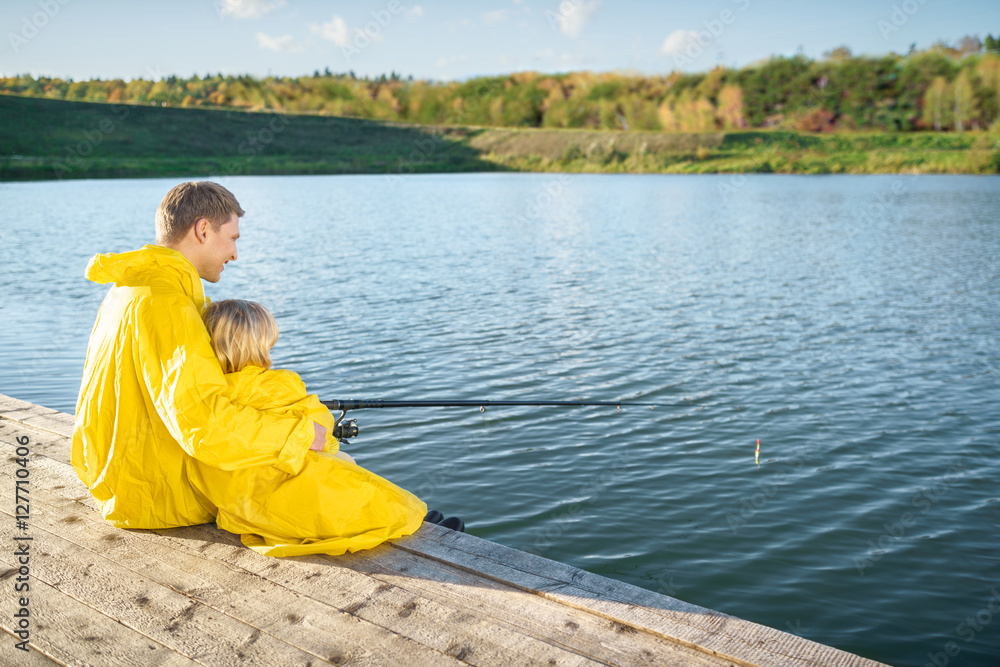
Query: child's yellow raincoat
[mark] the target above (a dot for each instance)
(154, 400)
(330, 506)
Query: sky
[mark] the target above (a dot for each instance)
(449, 40)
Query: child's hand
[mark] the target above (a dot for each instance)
(320, 439)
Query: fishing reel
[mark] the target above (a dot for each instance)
(344, 429)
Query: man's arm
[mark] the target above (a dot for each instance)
(189, 393)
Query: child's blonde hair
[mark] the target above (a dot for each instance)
(243, 332)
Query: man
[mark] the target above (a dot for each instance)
(153, 392)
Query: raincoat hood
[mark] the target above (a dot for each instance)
(150, 266)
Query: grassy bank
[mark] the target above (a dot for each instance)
(47, 139)
(740, 152)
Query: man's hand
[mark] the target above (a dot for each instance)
(319, 440)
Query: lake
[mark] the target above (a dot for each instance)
(848, 322)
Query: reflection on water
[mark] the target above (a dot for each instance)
(857, 341)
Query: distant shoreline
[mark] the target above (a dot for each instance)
(44, 139)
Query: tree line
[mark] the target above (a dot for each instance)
(938, 89)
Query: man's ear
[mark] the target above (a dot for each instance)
(201, 230)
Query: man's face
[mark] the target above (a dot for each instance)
(219, 249)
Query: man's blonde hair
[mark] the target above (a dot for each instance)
(243, 332)
(188, 203)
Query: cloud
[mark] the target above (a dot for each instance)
(247, 9)
(678, 41)
(495, 17)
(573, 15)
(414, 12)
(335, 30)
(283, 44)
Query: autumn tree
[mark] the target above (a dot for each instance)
(969, 44)
(730, 108)
(965, 102)
(936, 104)
(988, 71)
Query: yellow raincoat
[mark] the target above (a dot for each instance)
(153, 395)
(155, 415)
(330, 506)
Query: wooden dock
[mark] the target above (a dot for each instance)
(100, 595)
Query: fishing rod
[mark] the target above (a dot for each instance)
(344, 429)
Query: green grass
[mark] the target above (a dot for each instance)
(42, 139)
(46, 139)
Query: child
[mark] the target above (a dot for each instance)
(332, 505)
(242, 334)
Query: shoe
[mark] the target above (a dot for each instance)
(454, 523)
(433, 516)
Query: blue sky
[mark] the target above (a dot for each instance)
(447, 39)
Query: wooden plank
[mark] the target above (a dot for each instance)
(726, 636)
(47, 419)
(528, 612)
(67, 632)
(9, 404)
(58, 423)
(304, 622)
(27, 412)
(41, 443)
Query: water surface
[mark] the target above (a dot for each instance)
(848, 322)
